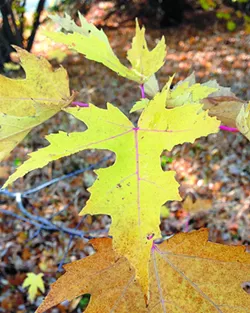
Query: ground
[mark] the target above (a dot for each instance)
(214, 171)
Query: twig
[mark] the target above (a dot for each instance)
(10, 213)
(46, 224)
(60, 266)
(229, 129)
(80, 104)
(142, 91)
(55, 180)
(40, 222)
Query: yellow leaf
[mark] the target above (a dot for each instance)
(165, 212)
(34, 282)
(184, 93)
(26, 103)
(91, 42)
(243, 120)
(143, 61)
(187, 274)
(133, 190)
(139, 105)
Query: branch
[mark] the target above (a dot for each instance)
(22, 18)
(10, 213)
(36, 23)
(40, 222)
(72, 174)
(17, 31)
(43, 224)
(142, 91)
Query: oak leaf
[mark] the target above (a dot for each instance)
(26, 103)
(133, 190)
(187, 274)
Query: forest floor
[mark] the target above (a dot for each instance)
(214, 172)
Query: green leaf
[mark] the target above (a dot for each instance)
(231, 26)
(223, 15)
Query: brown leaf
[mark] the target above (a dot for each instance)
(226, 109)
(196, 205)
(187, 274)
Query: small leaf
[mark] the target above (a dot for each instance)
(151, 86)
(57, 54)
(34, 282)
(139, 105)
(231, 26)
(226, 109)
(221, 91)
(243, 120)
(184, 93)
(143, 61)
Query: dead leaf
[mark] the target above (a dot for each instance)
(196, 205)
(187, 274)
(226, 109)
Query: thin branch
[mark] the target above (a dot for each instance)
(22, 19)
(36, 23)
(60, 266)
(17, 31)
(55, 180)
(80, 104)
(26, 220)
(40, 222)
(229, 129)
(142, 91)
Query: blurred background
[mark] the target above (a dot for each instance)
(209, 37)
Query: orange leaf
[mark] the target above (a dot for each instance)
(187, 274)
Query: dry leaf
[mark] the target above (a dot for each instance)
(197, 205)
(225, 109)
(187, 274)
